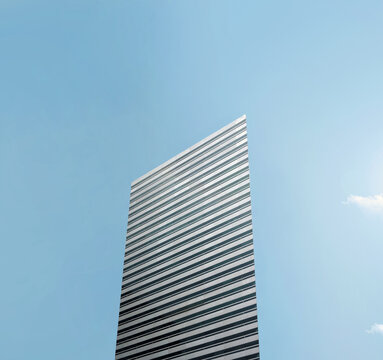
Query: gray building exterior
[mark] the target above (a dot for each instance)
(188, 286)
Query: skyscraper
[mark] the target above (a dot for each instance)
(188, 285)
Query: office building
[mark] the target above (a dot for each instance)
(188, 286)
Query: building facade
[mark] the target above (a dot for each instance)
(188, 286)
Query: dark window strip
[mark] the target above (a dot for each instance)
(149, 223)
(193, 285)
(209, 167)
(194, 326)
(192, 184)
(194, 265)
(189, 153)
(188, 191)
(218, 207)
(247, 357)
(192, 240)
(193, 275)
(173, 264)
(187, 297)
(212, 309)
(191, 230)
(197, 325)
(190, 338)
(191, 349)
(191, 306)
(184, 252)
(226, 182)
(232, 350)
(187, 203)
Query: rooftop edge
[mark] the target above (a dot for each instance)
(174, 158)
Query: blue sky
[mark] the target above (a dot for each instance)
(93, 94)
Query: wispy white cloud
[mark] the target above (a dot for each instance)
(373, 203)
(376, 329)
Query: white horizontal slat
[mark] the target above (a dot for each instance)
(147, 219)
(189, 301)
(183, 243)
(161, 228)
(199, 342)
(207, 306)
(185, 250)
(185, 274)
(226, 269)
(201, 318)
(208, 353)
(198, 227)
(201, 183)
(186, 335)
(197, 167)
(147, 178)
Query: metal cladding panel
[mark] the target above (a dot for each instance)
(188, 286)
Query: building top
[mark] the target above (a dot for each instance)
(185, 152)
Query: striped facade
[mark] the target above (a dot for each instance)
(188, 286)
